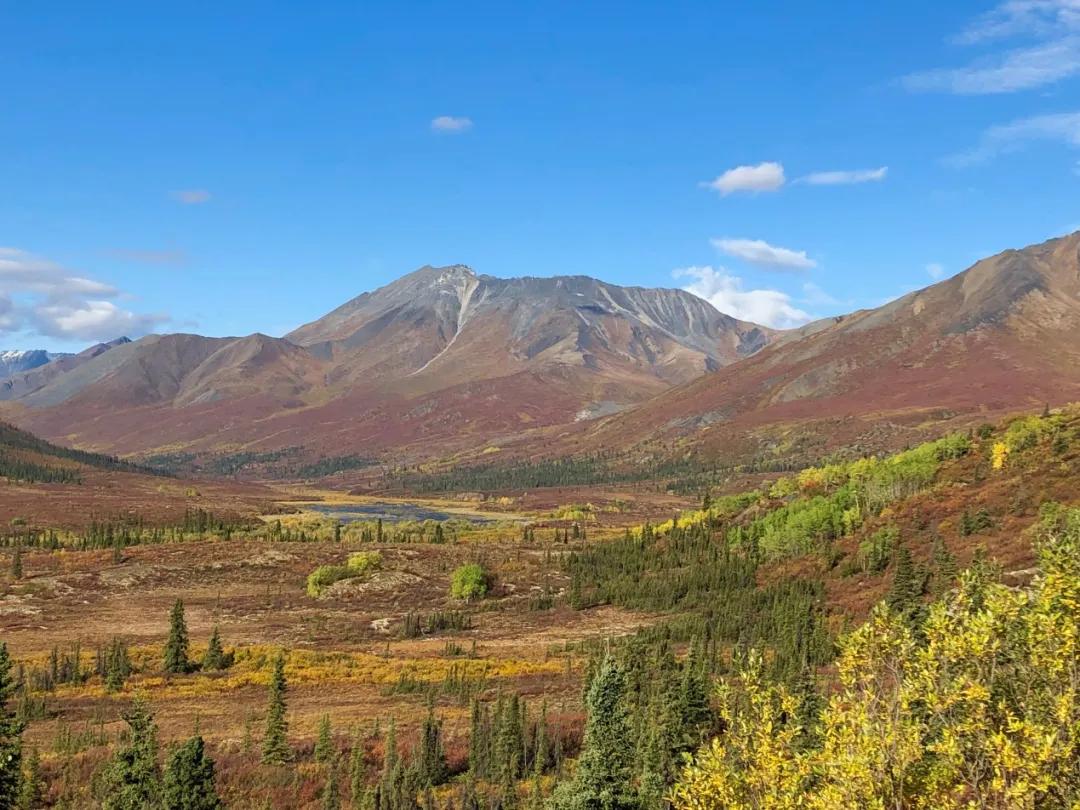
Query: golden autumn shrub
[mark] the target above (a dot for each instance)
(979, 709)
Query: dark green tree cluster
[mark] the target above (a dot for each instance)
(711, 587)
(133, 779)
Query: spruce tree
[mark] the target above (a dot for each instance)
(33, 786)
(430, 758)
(176, 648)
(215, 657)
(189, 778)
(275, 750)
(604, 776)
(694, 695)
(357, 775)
(945, 567)
(324, 744)
(11, 729)
(510, 739)
(905, 594)
(478, 743)
(541, 749)
(131, 780)
(16, 562)
(117, 665)
(331, 793)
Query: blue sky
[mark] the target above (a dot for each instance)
(240, 167)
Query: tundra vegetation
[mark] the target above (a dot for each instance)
(895, 630)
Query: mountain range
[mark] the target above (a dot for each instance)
(441, 358)
(14, 361)
(444, 362)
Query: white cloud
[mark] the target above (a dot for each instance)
(1020, 69)
(1050, 51)
(1061, 127)
(841, 178)
(761, 253)
(45, 298)
(90, 320)
(935, 270)
(191, 196)
(725, 292)
(762, 177)
(451, 123)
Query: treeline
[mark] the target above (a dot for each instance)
(120, 533)
(22, 471)
(284, 463)
(12, 438)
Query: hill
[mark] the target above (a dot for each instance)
(42, 484)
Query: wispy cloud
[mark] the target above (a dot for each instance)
(42, 297)
(451, 123)
(762, 177)
(724, 291)
(762, 254)
(191, 196)
(1038, 44)
(843, 178)
(935, 271)
(1003, 138)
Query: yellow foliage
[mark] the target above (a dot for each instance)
(999, 455)
(981, 711)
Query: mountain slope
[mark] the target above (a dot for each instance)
(1004, 334)
(21, 383)
(44, 486)
(440, 360)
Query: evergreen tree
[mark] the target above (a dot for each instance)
(276, 749)
(33, 786)
(536, 795)
(216, 657)
(357, 775)
(430, 758)
(131, 780)
(10, 734)
(604, 776)
(324, 744)
(478, 741)
(905, 594)
(541, 747)
(331, 793)
(510, 739)
(117, 665)
(189, 778)
(694, 695)
(945, 568)
(16, 562)
(176, 648)
(508, 795)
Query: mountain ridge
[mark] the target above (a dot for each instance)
(481, 353)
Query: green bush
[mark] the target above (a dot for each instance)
(362, 563)
(359, 564)
(469, 582)
(324, 576)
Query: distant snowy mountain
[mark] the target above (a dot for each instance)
(12, 362)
